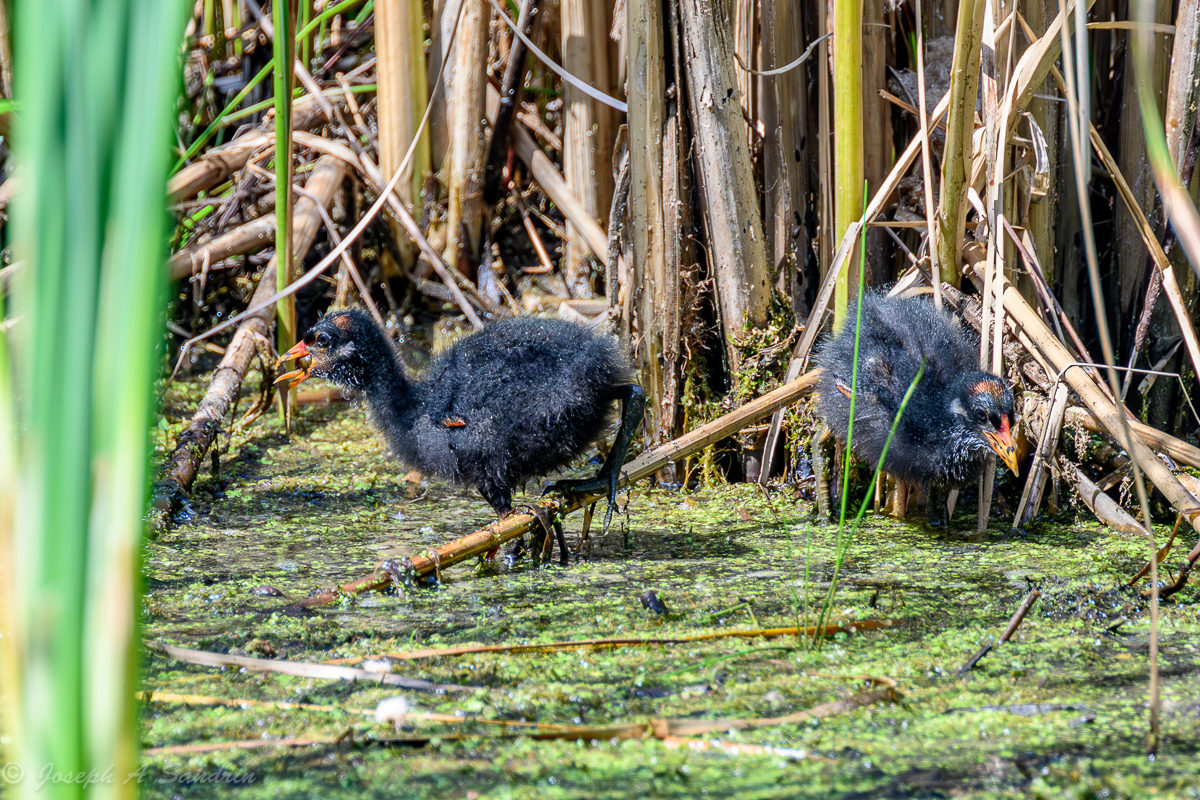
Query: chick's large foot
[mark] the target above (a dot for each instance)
(606, 484)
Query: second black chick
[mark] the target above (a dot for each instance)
(957, 414)
(517, 400)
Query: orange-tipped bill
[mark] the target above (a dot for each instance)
(296, 376)
(1001, 441)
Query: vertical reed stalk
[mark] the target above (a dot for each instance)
(745, 41)
(844, 537)
(647, 68)
(582, 57)
(1183, 92)
(464, 212)
(304, 44)
(956, 158)
(730, 197)
(403, 91)
(6, 75)
(1041, 218)
(1131, 157)
(847, 137)
(441, 28)
(827, 243)
(785, 171)
(878, 147)
(284, 45)
(233, 22)
(927, 160)
(1078, 125)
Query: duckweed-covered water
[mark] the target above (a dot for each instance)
(1060, 711)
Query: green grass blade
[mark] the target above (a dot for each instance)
(89, 225)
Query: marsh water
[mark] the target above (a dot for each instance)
(1059, 711)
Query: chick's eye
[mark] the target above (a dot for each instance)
(323, 339)
(981, 415)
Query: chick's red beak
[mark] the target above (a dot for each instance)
(297, 376)
(1001, 441)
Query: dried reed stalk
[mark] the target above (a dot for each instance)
(402, 93)
(1170, 282)
(585, 56)
(737, 243)
(1177, 449)
(956, 157)
(464, 210)
(1107, 510)
(219, 163)
(1031, 496)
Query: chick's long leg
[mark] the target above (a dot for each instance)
(499, 497)
(633, 405)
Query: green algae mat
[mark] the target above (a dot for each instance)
(1059, 711)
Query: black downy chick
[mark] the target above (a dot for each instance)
(957, 414)
(519, 399)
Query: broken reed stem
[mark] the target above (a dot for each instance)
(1019, 616)
(245, 238)
(1162, 553)
(218, 164)
(1035, 482)
(1106, 509)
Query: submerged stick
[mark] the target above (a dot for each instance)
(1015, 622)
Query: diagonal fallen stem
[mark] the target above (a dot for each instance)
(515, 525)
